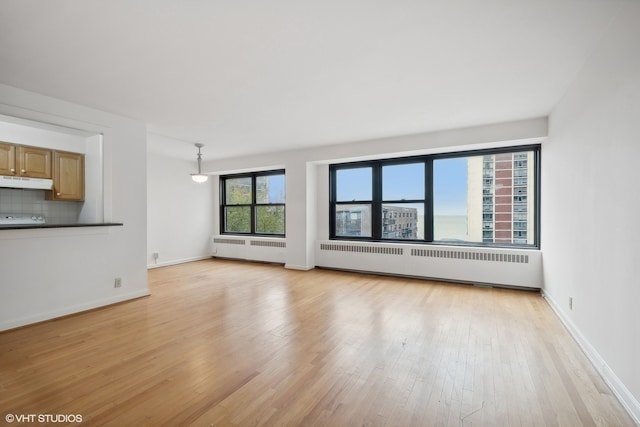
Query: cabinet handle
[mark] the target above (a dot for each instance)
(57, 194)
(23, 171)
(13, 170)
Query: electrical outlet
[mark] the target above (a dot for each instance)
(570, 303)
(155, 256)
(117, 283)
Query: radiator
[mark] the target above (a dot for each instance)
(249, 248)
(492, 266)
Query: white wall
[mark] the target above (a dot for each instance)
(590, 205)
(47, 273)
(180, 212)
(307, 172)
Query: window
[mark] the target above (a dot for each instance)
(520, 181)
(444, 198)
(389, 209)
(253, 203)
(519, 216)
(404, 203)
(354, 196)
(520, 164)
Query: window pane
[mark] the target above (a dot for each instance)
(270, 189)
(450, 198)
(353, 184)
(238, 191)
(237, 219)
(269, 219)
(403, 221)
(403, 182)
(353, 220)
(484, 199)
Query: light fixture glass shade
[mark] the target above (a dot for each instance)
(199, 177)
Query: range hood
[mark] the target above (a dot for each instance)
(23, 182)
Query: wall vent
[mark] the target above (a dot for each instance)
(229, 241)
(268, 243)
(361, 249)
(474, 256)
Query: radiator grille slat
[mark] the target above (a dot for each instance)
(240, 242)
(269, 244)
(474, 256)
(384, 250)
(229, 241)
(429, 253)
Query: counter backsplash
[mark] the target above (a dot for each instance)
(13, 201)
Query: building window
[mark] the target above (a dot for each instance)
(520, 191)
(444, 198)
(519, 163)
(519, 216)
(520, 181)
(253, 203)
(519, 199)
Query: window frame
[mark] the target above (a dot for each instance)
(253, 205)
(377, 201)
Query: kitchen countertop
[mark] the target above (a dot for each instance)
(74, 225)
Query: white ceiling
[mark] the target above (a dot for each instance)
(248, 76)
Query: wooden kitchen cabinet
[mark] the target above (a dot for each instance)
(18, 160)
(65, 168)
(68, 177)
(33, 162)
(7, 159)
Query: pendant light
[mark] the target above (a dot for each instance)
(199, 177)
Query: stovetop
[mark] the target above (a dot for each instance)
(21, 219)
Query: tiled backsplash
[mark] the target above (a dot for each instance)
(14, 201)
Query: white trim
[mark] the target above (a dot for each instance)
(178, 261)
(299, 267)
(23, 321)
(627, 400)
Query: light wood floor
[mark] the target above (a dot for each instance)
(230, 343)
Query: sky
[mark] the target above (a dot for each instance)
(450, 186)
(353, 184)
(276, 188)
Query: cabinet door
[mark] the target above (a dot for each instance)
(68, 176)
(7, 159)
(34, 162)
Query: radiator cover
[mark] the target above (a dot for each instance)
(505, 267)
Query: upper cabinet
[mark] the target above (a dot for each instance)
(33, 162)
(7, 159)
(18, 160)
(68, 177)
(65, 168)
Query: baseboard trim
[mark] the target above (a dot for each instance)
(65, 311)
(177, 261)
(627, 400)
(299, 267)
